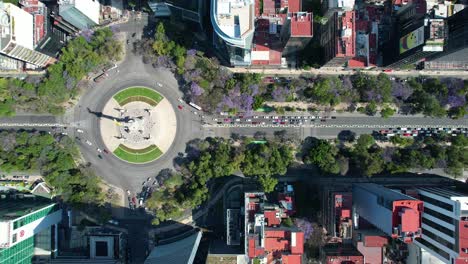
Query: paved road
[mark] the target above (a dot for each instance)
(332, 71)
(332, 127)
(132, 72)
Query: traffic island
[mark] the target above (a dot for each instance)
(138, 125)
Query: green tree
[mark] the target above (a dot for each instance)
(266, 159)
(387, 112)
(457, 112)
(321, 92)
(267, 182)
(258, 102)
(365, 141)
(323, 155)
(371, 108)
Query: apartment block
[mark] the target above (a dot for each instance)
(260, 33)
(267, 239)
(338, 38)
(20, 32)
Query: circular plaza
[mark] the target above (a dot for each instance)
(138, 125)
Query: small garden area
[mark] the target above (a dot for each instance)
(138, 155)
(134, 94)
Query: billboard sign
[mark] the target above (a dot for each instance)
(412, 40)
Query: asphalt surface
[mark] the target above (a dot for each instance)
(131, 72)
(330, 128)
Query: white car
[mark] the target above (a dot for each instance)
(159, 84)
(249, 120)
(79, 130)
(182, 101)
(195, 112)
(64, 133)
(99, 150)
(215, 119)
(89, 142)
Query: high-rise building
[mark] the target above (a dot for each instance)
(455, 54)
(20, 32)
(394, 213)
(338, 38)
(260, 33)
(28, 227)
(39, 12)
(444, 224)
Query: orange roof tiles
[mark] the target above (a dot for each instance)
(301, 24)
(276, 244)
(293, 5)
(298, 247)
(271, 218)
(291, 259)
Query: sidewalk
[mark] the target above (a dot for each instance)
(323, 71)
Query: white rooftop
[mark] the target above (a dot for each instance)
(235, 17)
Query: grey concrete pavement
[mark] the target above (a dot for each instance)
(338, 71)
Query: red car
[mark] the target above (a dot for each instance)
(180, 107)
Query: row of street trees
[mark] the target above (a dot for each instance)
(368, 158)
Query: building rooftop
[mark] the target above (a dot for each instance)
(181, 251)
(342, 253)
(15, 205)
(264, 238)
(346, 44)
(301, 24)
(235, 17)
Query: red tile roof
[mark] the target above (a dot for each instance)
(276, 244)
(271, 218)
(294, 5)
(462, 241)
(407, 213)
(298, 247)
(301, 24)
(253, 250)
(275, 233)
(346, 44)
(291, 259)
(269, 7)
(372, 255)
(357, 62)
(375, 241)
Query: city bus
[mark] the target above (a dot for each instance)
(195, 106)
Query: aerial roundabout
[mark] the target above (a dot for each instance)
(139, 125)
